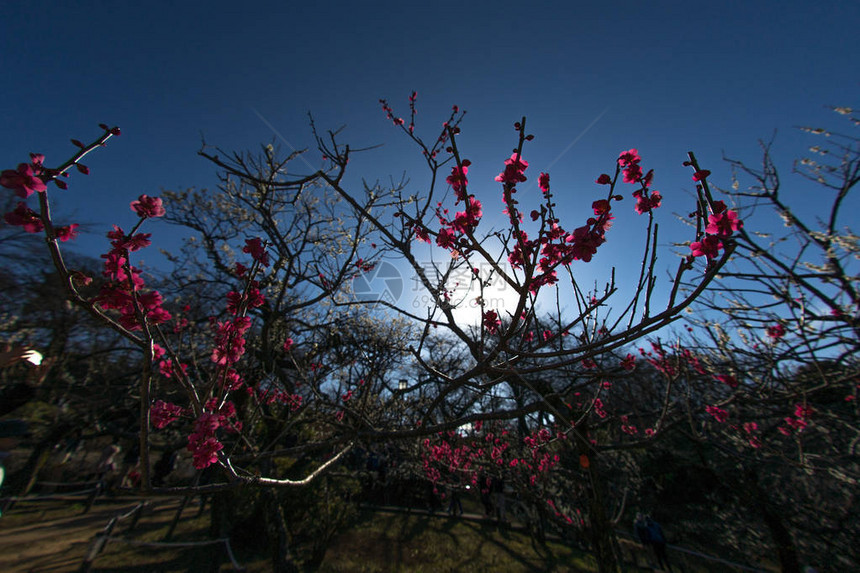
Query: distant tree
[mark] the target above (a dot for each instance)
(82, 385)
(777, 345)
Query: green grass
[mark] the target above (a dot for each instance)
(383, 542)
(377, 542)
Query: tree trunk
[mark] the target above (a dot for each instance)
(282, 559)
(222, 514)
(601, 532)
(600, 529)
(785, 549)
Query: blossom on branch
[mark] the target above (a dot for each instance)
(24, 181)
(491, 321)
(723, 224)
(514, 171)
(457, 180)
(776, 331)
(148, 207)
(163, 413)
(719, 414)
(709, 247)
(257, 250)
(727, 379)
(644, 204)
(66, 233)
(543, 182)
(23, 216)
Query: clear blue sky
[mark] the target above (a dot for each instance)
(670, 77)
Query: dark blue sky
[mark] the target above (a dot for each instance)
(670, 77)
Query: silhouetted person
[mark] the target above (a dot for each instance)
(498, 487)
(455, 504)
(658, 542)
(433, 504)
(640, 530)
(162, 468)
(484, 488)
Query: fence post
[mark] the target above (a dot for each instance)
(138, 511)
(176, 517)
(93, 496)
(97, 546)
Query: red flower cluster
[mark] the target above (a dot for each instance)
(708, 247)
(28, 178)
(645, 200)
(724, 223)
(251, 298)
(798, 422)
(257, 250)
(627, 427)
(66, 233)
(458, 181)
(645, 203)
(203, 443)
(389, 113)
(660, 359)
(543, 182)
(629, 362)
(750, 428)
(163, 413)
(598, 408)
(148, 207)
(719, 414)
(122, 242)
(230, 340)
(492, 323)
(514, 172)
(23, 216)
(25, 180)
(629, 161)
(269, 397)
(421, 233)
(168, 369)
(465, 221)
(694, 362)
(721, 224)
(557, 246)
(125, 285)
(776, 331)
(446, 238)
(727, 379)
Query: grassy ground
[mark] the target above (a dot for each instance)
(383, 542)
(56, 536)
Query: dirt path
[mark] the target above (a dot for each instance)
(55, 536)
